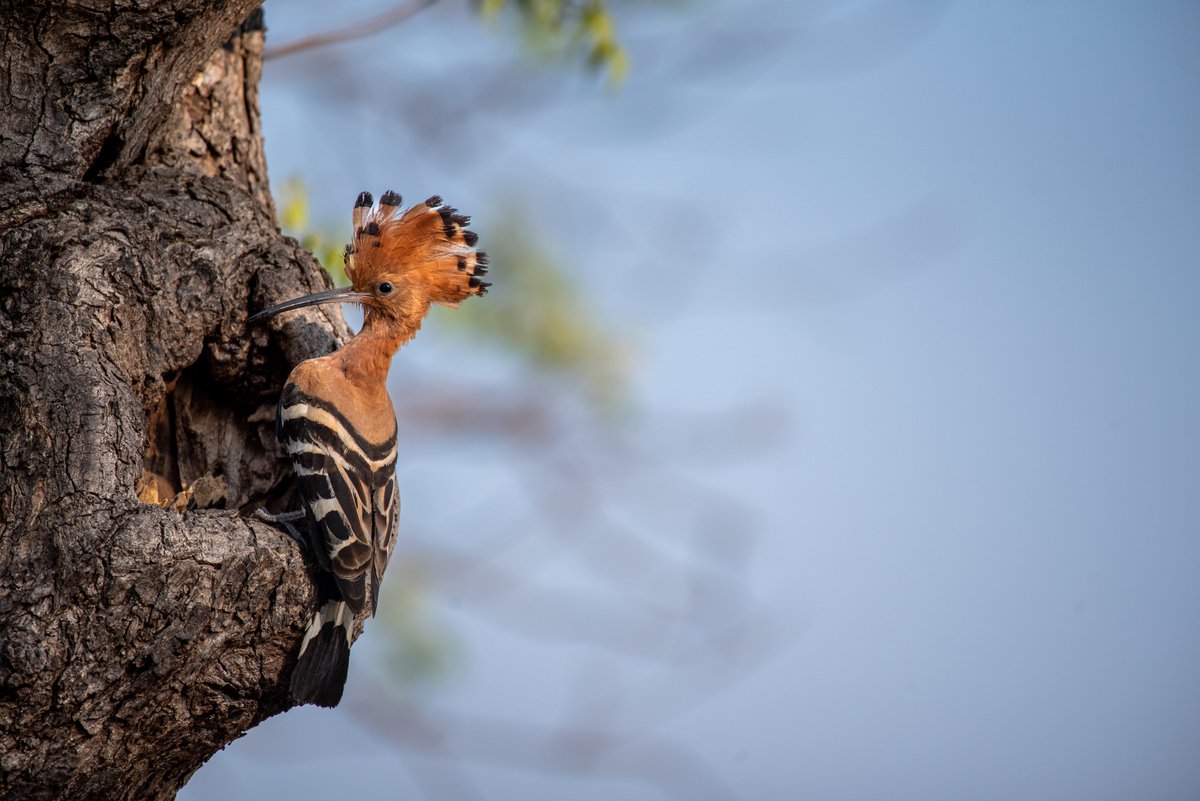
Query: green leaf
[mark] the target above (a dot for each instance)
(556, 31)
(293, 221)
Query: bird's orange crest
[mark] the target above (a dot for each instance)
(425, 252)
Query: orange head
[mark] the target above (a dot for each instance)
(400, 263)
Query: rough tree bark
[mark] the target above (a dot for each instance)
(136, 234)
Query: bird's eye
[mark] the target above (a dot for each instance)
(385, 288)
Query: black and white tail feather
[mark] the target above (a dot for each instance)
(320, 673)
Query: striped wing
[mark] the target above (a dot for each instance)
(386, 520)
(348, 488)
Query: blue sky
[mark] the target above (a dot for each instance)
(956, 250)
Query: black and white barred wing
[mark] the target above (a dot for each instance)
(386, 522)
(347, 486)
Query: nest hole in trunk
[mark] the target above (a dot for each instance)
(210, 446)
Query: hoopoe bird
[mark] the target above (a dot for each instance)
(338, 426)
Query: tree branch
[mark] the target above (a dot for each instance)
(359, 30)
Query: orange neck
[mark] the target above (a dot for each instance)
(365, 359)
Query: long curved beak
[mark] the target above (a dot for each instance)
(344, 294)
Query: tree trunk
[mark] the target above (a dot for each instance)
(136, 234)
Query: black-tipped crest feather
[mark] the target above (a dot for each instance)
(424, 246)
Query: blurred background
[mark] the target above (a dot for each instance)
(830, 430)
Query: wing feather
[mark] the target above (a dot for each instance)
(347, 488)
(385, 520)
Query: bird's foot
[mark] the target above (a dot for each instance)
(284, 520)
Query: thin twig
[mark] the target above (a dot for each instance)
(367, 27)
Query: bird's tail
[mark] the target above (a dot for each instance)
(320, 674)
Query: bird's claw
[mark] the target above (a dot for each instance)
(284, 520)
